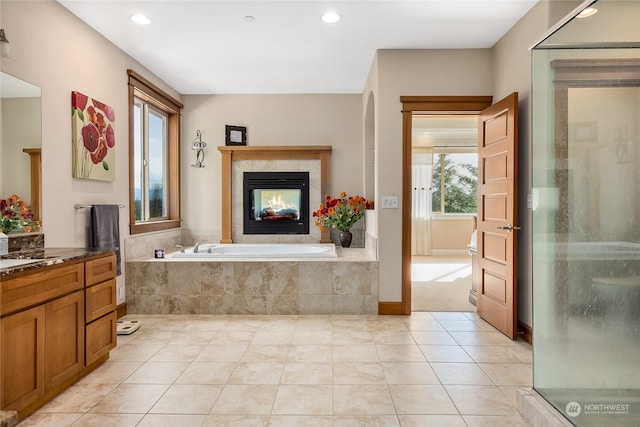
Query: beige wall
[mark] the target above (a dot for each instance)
(59, 53)
(20, 127)
(333, 120)
(411, 72)
(512, 73)
(451, 235)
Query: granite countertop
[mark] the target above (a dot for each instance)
(8, 418)
(19, 261)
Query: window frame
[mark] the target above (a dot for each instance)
(141, 88)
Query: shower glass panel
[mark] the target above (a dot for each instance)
(586, 217)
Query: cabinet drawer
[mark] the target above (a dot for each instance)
(100, 269)
(36, 288)
(101, 337)
(100, 299)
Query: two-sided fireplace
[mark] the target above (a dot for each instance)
(276, 202)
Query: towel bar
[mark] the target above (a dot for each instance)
(82, 206)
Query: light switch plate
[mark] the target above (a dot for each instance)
(390, 202)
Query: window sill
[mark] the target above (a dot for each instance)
(148, 227)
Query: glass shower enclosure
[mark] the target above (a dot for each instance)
(586, 216)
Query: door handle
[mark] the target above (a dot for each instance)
(509, 228)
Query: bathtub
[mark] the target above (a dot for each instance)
(260, 250)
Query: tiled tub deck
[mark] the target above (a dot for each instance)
(344, 285)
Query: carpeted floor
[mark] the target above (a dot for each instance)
(441, 283)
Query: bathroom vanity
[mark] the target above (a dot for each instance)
(57, 322)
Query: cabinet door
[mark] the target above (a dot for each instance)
(22, 353)
(64, 338)
(100, 299)
(101, 337)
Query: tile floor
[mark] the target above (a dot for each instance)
(430, 369)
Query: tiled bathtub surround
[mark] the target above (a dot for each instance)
(347, 285)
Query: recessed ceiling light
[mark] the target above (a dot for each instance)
(330, 17)
(140, 19)
(590, 11)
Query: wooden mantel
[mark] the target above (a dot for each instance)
(270, 152)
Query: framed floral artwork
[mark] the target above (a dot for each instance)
(92, 138)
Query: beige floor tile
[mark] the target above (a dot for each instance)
(194, 337)
(431, 420)
(307, 373)
(157, 373)
(445, 353)
(369, 399)
(433, 338)
(448, 315)
(461, 373)
(490, 354)
(392, 337)
(222, 353)
(79, 398)
(246, 400)
(137, 351)
(311, 337)
(424, 324)
(314, 323)
(236, 421)
(310, 353)
(207, 373)
(226, 338)
(111, 372)
(509, 374)
(171, 420)
(524, 353)
(130, 399)
(358, 373)
(257, 373)
(409, 373)
(460, 325)
(482, 338)
(177, 353)
(265, 353)
(111, 420)
(187, 399)
(366, 421)
(303, 399)
(272, 337)
(355, 353)
(50, 420)
(480, 400)
(300, 420)
(495, 421)
(348, 337)
(400, 353)
(422, 399)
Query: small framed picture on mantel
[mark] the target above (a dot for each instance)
(236, 135)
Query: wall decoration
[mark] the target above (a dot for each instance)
(236, 135)
(92, 138)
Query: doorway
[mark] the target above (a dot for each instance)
(432, 105)
(444, 204)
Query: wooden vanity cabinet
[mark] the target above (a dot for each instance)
(58, 323)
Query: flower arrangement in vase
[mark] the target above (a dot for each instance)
(341, 213)
(15, 215)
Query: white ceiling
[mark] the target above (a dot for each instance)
(208, 47)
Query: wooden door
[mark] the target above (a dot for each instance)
(497, 212)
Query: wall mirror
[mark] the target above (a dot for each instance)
(20, 141)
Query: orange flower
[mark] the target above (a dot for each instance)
(341, 213)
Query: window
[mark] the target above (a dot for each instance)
(454, 182)
(154, 157)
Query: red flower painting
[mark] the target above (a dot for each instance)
(93, 138)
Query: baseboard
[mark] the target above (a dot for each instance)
(121, 310)
(390, 308)
(525, 331)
